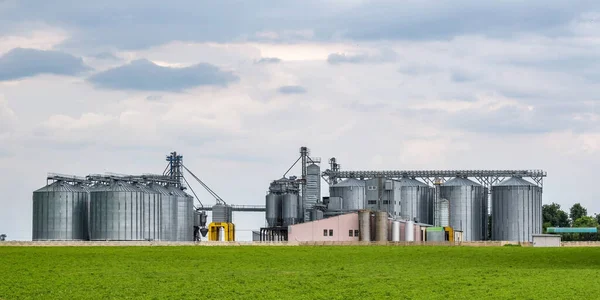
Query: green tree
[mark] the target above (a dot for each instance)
(598, 218)
(585, 221)
(553, 216)
(577, 211)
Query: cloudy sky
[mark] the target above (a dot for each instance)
(238, 87)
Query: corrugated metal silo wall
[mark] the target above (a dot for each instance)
(353, 197)
(416, 202)
(465, 209)
(289, 209)
(273, 206)
(59, 213)
(313, 189)
(168, 213)
(485, 213)
(117, 213)
(516, 213)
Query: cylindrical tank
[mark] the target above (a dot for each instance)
(185, 214)
(273, 213)
(516, 210)
(316, 214)
(59, 212)
(395, 231)
(152, 210)
(289, 209)
(484, 213)
(381, 233)
(443, 213)
(168, 212)
(409, 231)
(465, 199)
(364, 225)
(414, 200)
(119, 212)
(352, 192)
(335, 203)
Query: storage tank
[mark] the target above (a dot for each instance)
(273, 210)
(59, 213)
(395, 231)
(364, 225)
(313, 188)
(168, 212)
(516, 210)
(289, 209)
(484, 212)
(352, 192)
(316, 214)
(413, 200)
(185, 214)
(465, 198)
(381, 231)
(152, 209)
(335, 203)
(119, 212)
(409, 231)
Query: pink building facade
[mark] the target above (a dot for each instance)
(343, 228)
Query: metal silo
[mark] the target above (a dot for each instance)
(273, 213)
(152, 209)
(352, 192)
(516, 210)
(364, 226)
(59, 212)
(289, 209)
(413, 200)
(117, 212)
(185, 214)
(465, 199)
(484, 212)
(381, 230)
(168, 213)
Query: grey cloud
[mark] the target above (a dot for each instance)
(142, 24)
(384, 55)
(20, 63)
(268, 60)
(291, 89)
(106, 55)
(144, 75)
(461, 76)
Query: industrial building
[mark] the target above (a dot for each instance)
(436, 205)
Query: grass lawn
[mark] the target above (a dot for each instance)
(335, 272)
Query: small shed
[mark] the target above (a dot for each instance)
(546, 240)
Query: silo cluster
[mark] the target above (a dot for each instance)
(115, 211)
(283, 205)
(465, 199)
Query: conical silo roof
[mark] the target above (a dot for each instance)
(59, 186)
(349, 182)
(515, 181)
(405, 181)
(459, 181)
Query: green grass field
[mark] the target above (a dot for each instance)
(299, 272)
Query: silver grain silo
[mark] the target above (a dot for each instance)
(185, 214)
(465, 198)
(117, 212)
(413, 200)
(152, 209)
(484, 212)
(289, 209)
(59, 213)
(313, 189)
(516, 210)
(352, 192)
(168, 212)
(273, 210)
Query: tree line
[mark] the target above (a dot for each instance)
(554, 216)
